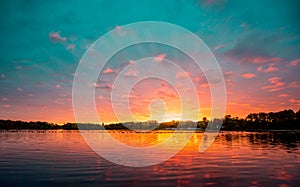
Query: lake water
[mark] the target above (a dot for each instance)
(62, 158)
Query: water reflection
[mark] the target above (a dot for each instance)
(58, 157)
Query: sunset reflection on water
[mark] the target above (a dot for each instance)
(58, 157)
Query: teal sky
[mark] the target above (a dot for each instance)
(256, 42)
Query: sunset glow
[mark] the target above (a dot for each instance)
(258, 54)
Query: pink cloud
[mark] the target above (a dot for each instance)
(263, 60)
(19, 89)
(6, 106)
(248, 75)
(108, 70)
(131, 73)
(277, 85)
(269, 69)
(181, 75)
(273, 80)
(292, 100)
(294, 62)
(55, 37)
(283, 95)
(2, 76)
(160, 58)
(4, 99)
(255, 59)
(196, 79)
(57, 86)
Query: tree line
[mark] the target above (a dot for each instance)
(286, 119)
(282, 120)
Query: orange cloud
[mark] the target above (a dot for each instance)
(248, 75)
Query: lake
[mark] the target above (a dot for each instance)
(63, 158)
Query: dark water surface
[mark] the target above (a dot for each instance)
(62, 158)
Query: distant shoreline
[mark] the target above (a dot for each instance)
(286, 120)
(152, 131)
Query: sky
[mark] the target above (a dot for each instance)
(256, 43)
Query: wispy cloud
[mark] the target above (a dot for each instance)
(295, 62)
(276, 84)
(56, 37)
(6, 106)
(219, 47)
